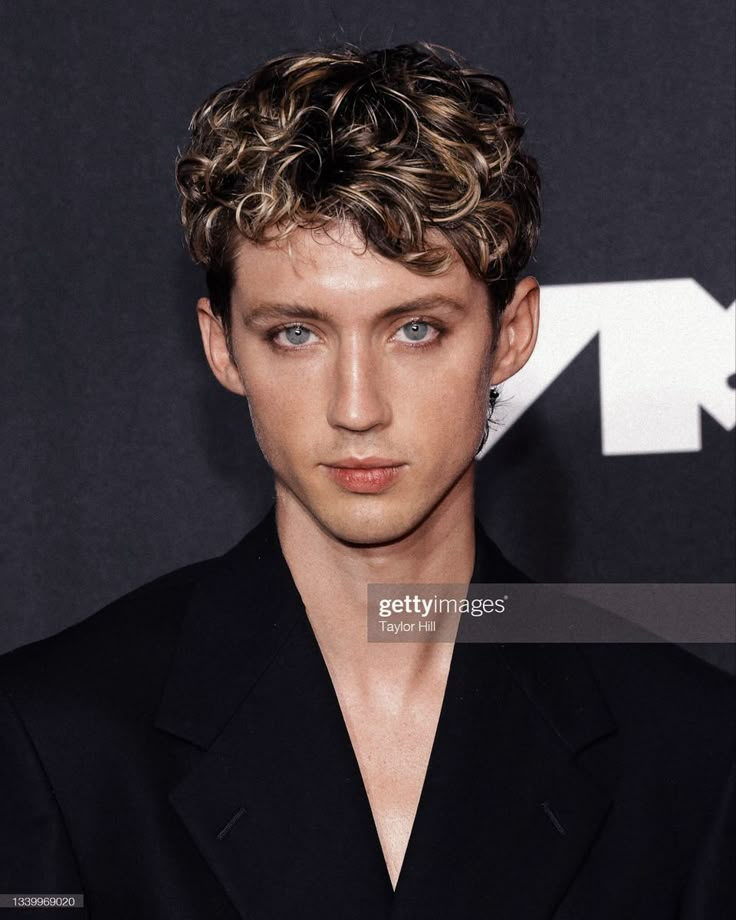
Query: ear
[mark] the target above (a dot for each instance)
(216, 348)
(518, 333)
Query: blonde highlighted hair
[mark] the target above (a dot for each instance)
(397, 142)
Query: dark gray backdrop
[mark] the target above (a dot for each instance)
(123, 459)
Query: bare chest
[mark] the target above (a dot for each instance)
(393, 752)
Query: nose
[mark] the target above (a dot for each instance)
(359, 394)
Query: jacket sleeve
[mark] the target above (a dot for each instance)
(36, 856)
(711, 890)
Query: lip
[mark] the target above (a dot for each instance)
(365, 474)
(364, 463)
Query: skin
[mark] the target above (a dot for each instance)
(387, 363)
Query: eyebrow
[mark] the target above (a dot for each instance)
(275, 311)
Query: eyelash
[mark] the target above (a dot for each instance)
(438, 327)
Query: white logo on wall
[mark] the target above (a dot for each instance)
(666, 350)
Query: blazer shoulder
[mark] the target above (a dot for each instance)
(120, 644)
(666, 699)
(659, 675)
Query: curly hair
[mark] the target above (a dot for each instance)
(397, 142)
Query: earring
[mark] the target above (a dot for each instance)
(493, 395)
(492, 400)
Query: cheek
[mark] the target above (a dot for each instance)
(450, 401)
(275, 416)
(460, 422)
(283, 412)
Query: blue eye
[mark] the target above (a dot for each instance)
(416, 330)
(295, 335)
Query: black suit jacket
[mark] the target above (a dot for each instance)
(182, 755)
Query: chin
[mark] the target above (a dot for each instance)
(370, 521)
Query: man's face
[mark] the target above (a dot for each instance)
(351, 360)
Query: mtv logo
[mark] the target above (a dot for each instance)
(666, 351)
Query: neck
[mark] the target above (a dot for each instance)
(332, 577)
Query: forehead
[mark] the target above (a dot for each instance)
(335, 266)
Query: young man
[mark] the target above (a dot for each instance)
(225, 742)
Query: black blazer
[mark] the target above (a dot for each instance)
(182, 755)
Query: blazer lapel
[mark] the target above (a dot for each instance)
(274, 801)
(508, 812)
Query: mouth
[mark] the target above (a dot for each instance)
(366, 475)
